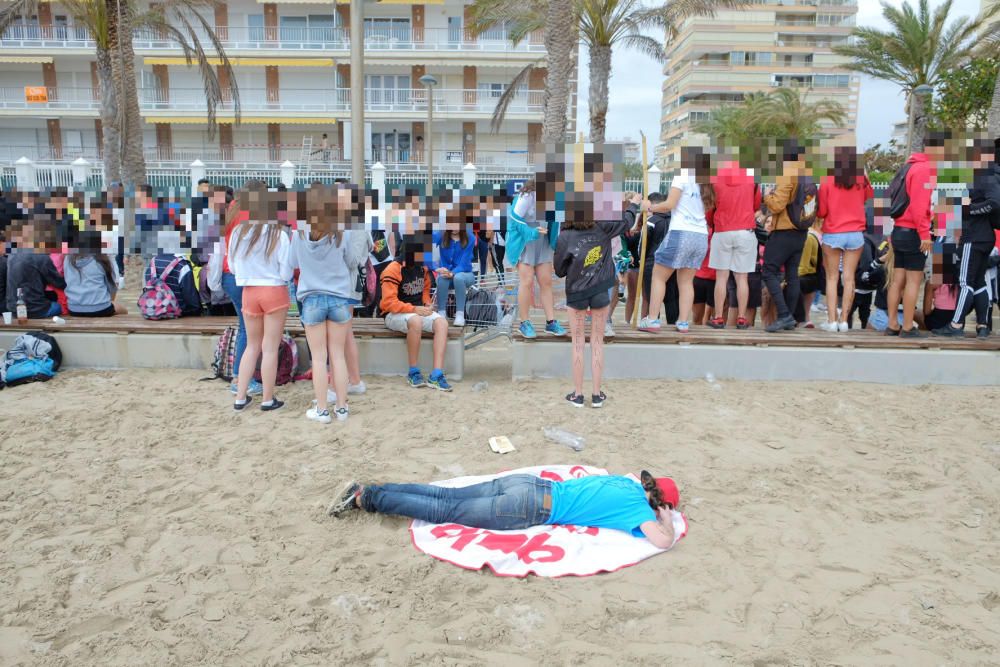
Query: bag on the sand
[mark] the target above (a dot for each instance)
(158, 301)
(225, 355)
(288, 361)
(35, 357)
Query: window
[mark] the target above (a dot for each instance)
(255, 27)
(765, 58)
(387, 29)
(455, 29)
(293, 28)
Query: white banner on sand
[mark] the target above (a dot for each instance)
(546, 551)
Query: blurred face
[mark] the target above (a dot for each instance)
(935, 153)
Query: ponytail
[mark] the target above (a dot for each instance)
(656, 500)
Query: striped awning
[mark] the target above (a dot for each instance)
(245, 120)
(25, 60)
(249, 62)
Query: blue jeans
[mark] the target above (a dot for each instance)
(235, 294)
(461, 281)
(54, 310)
(318, 308)
(507, 503)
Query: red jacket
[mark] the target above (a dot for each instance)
(705, 271)
(920, 183)
(737, 198)
(843, 210)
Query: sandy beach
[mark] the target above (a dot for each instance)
(142, 522)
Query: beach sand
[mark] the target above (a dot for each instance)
(142, 522)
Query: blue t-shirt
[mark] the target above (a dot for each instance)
(601, 501)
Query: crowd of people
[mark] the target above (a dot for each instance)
(717, 250)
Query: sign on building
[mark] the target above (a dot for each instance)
(36, 94)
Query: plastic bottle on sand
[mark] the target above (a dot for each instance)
(562, 437)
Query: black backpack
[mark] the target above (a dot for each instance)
(481, 308)
(899, 198)
(802, 210)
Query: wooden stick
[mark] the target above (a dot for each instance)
(642, 237)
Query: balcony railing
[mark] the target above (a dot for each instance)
(37, 36)
(64, 98)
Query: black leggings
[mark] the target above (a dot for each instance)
(972, 282)
(783, 249)
(863, 307)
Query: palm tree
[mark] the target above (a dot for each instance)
(990, 46)
(787, 109)
(920, 46)
(602, 25)
(111, 24)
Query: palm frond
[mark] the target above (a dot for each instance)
(504, 101)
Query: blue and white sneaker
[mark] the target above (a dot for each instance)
(255, 388)
(438, 382)
(527, 329)
(416, 379)
(555, 328)
(649, 325)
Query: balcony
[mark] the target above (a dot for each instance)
(59, 99)
(34, 36)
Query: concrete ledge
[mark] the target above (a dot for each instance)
(543, 359)
(378, 355)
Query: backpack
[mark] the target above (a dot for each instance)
(32, 369)
(481, 308)
(158, 301)
(225, 355)
(367, 283)
(899, 198)
(288, 361)
(802, 210)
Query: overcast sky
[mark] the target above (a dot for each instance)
(635, 90)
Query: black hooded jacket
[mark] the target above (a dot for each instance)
(583, 258)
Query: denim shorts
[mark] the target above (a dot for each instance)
(682, 250)
(879, 319)
(844, 240)
(318, 308)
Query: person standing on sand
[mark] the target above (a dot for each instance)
(516, 502)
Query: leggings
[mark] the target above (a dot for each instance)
(972, 282)
(863, 307)
(783, 249)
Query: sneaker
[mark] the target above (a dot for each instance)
(742, 323)
(609, 330)
(459, 319)
(829, 326)
(346, 500)
(682, 327)
(416, 379)
(982, 332)
(342, 413)
(808, 325)
(818, 307)
(255, 388)
(575, 399)
(781, 324)
(438, 382)
(915, 333)
(273, 405)
(948, 330)
(555, 328)
(889, 331)
(842, 327)
(652, 326)
(321, 416)
(237, 406)
(719, 323)
(527, 329)
(357, 389)
(597, 400)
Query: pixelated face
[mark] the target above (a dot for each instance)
(418, 248)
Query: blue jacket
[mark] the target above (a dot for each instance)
(455, 258)
(520, 234)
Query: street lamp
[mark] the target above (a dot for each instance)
(429, 81)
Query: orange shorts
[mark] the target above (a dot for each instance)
(263, 300)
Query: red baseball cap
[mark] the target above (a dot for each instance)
(668, 489)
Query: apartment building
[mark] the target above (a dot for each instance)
(291, 63)
(770, 43)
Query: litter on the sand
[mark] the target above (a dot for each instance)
(501, 444)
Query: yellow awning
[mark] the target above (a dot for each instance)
(25, 60)
(246, 120)
(249, 62)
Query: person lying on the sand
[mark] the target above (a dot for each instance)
(516, 502)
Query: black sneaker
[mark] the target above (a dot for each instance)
(781, 324)
(912, 333)
(576, 400)
(889, 331)
(597, 400)
(237, 406)
(346, 500)
(948, 330)
(275, 404)
(982, 332)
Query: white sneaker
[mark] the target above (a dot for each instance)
(356, 389)
(331, 396)
(842, 327)
(342, 413)
(829, 326)
(323, 417)
(459, 319)
(818, 307)
(609, 330)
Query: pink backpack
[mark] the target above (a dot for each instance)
(288, 362)
(158, 301)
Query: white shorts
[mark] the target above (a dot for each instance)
(399, 321)
(734, 251)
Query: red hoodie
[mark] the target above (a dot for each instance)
(737, 198)
(921, 181)
(843, 210)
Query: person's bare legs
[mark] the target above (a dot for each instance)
(851, 259)
(831, 264)
(910, 292)
(351, 354)
(894, 295)
(631, 284)
(248, 364)
(274, 326)
(614, 303)
(414, 330)
(685, 290)
(316, 336)
(596, 350)
(525, 290)
(336, 344)
(743, 296)
(543, 273)
(721, 289)
(578, 332)
(440, 327)
(658, 289)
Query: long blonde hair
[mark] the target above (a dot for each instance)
(253, 199)
(889, 273)
(322, 214)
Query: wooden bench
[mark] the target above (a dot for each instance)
(126, 341)
(753, 354)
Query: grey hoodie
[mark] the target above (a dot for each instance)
(326, 268)
(87, 286)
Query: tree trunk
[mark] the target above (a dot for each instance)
(123, 72)
(600, 74)
(993, 122)
(560, 40)
(921, 117)
(111, 144)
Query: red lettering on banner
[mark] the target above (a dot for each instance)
(528, 551)
(465, 534)
(536, 545)
(578, 472)
(505, 542)
(548, 474)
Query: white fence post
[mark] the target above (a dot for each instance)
(288, 174)
(26, 174)
(198, 172)
(654, 178)
(469, 176)
(378, 182)
(81, 172)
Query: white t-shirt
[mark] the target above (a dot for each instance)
(689, 214)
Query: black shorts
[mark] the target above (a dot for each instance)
(754, 280)
(704, 291)
(906, 250)
(107, 312)
(809, 283)
(938, 318)
(596, 301)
